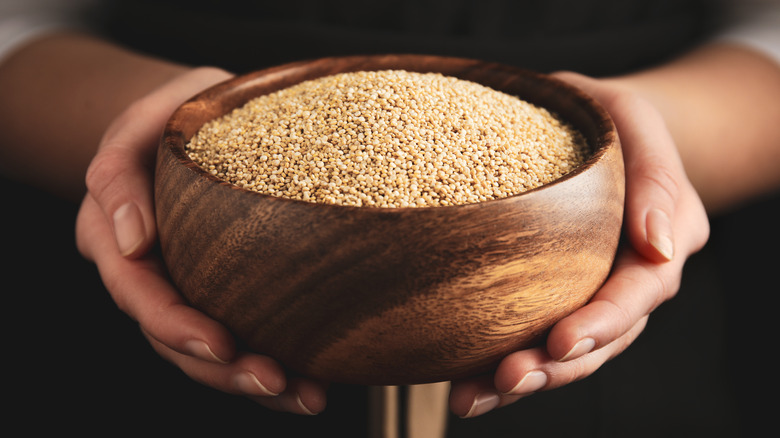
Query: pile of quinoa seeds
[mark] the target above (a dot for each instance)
(388, 138)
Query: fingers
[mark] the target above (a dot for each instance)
(664, 218)
(140, 288)
(654, 171)
(202, 348)
(246, 374)
(116, 227)
(117, 219)
(302, 397)
(476, 396)
(118, 179)
(256, 377)
(120, 176)
(635, 288)
(653, 177)
(665, 221)
(528, 371)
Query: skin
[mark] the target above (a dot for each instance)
(679, 168)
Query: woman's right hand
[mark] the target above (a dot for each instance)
(116, 230)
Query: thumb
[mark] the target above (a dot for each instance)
(654, 174)
(654, 170)
(120, 176)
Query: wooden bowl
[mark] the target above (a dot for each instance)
(384, 296)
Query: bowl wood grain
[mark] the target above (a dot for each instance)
(389, 296)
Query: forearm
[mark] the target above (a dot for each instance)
(722, 105)
(59, 95)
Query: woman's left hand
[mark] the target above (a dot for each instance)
(665, 222)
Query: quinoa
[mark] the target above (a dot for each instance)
(389, 138)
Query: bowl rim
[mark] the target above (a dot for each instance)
(606, 134)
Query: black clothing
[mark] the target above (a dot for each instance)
(594, 37)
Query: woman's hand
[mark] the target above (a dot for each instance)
(116, 229)
(665, 222)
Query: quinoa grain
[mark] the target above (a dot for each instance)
(388, 138)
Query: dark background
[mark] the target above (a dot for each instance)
(74, 362)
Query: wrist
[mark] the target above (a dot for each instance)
(60, 92)
(720, 105)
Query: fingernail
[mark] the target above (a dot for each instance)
(581, 348)
(129, 229)
(247, 383)
(659, 233)
(202, 350)
(303, 407)
(483, 403)
(531, 382)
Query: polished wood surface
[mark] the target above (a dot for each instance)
(389, 296)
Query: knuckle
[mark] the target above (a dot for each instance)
(619, 314)
(663, 179)
(572, 371)
(626, 106)
(622, 98)
(98, 172)
(667, 286)
(111, 164)
(121, 301)
(643, 290)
